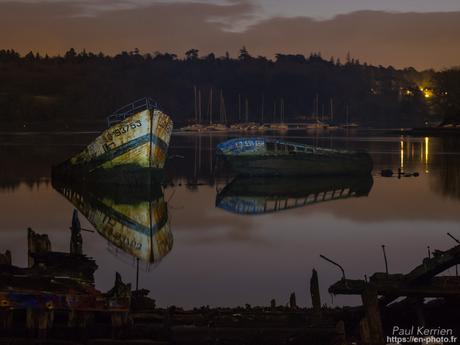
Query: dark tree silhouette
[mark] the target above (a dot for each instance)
(79, 89)
(192, 54)
(244, 54)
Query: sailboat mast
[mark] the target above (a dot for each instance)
(195, 106)
(332, 110)
(210, 107)
(247, 110)
(239, 107)
(317, 107)
(282, 111)
(346, 110)
(220, 106)
(199, 106)
(224, 112)
(262, 110)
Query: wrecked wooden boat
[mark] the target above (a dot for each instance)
(56, 291)
(381, 291)
(132, 149)
(261, 195)
(274, 157)
(134, 220)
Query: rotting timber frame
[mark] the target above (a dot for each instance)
(419, 283)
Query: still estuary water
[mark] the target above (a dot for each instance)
(220, 242)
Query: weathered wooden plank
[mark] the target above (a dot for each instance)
(372, 312)
(437, 287)
(315, 293)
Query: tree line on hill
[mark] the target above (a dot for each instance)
(80, 89)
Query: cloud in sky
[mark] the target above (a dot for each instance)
(327, 9)
(319, 9)
(422, 40)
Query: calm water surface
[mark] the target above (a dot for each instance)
(219, 257)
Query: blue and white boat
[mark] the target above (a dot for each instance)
(259, 156)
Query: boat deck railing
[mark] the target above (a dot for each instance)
(130, 109)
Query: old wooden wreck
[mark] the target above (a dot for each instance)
(133, 149)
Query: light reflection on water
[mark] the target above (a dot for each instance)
(225, 258)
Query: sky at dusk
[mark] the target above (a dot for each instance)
(419, 33)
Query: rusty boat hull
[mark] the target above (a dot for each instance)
(133, 150)
(273, 157)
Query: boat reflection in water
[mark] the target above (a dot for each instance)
(260, 195)
(132, 218)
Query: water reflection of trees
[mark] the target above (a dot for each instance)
(11, 184)
(445, 177)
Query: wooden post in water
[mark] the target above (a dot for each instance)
(372, 313)
(120, 319)
(273, 304)
(76, 240)
(315, 294)
(292, 301)
(5, 259)
(36, 244)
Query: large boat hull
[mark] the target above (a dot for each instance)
(267, 157)
(133, 149)
(300, 165)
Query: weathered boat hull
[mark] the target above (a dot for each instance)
(133, 149)
(301, 165)
(260, 195)
(249, 157)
